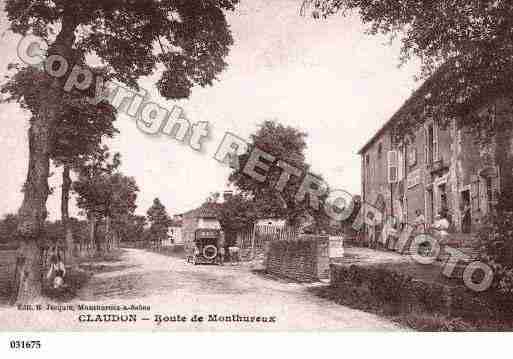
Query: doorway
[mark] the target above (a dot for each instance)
(466, 213)
(430, 205)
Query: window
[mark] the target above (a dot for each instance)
(394, 165)
(412, 157)
(431, 145)
(380, 150)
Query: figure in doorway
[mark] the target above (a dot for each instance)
(466, 219)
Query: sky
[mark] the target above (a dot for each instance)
(326, 77)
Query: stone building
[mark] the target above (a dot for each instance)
(204, 217)
(439, 169)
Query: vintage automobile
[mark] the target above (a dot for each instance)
(204, 249)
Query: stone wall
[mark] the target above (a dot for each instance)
(304, 260)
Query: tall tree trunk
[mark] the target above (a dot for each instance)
(68, 233)
(98, 240)
(27, 287)
(32, 213)
(92, 233)
(108, 234)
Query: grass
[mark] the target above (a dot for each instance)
(421, 321)
(75, 278)
(418, 321)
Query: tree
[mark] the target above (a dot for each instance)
(238, 212)
(287, 144)
(187, 39)
(93, 189)
(79, 133)
(133, 230)
(159, 221)
(119, 206)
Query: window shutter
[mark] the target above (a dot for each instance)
(435, 141)
(400, 165)
(393, 166)
(474, 193)
(483, 195)
(426, 145)
(496, 189)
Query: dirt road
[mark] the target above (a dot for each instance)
(176, 290)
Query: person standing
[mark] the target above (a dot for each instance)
(220, 255)
(371, 229)
(466, 220)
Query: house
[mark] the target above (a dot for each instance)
(204, 217)
(437, 169)
(175, 229)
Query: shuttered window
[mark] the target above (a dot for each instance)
(435, 142)
(493, 188)
(393, 166)
(426, 145)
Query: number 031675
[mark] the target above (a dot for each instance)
(25, 344)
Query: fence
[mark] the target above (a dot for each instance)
(253, 240)
(257, 236)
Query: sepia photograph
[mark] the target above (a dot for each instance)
(255, 166)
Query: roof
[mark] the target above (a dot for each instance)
(175, 223)
(207, 210)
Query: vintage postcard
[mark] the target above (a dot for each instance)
(263, 165)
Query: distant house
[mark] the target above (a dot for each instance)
(204, 217)
(175, 230)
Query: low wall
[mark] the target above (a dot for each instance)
(402, 294)
(304, 260)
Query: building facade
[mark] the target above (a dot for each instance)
(174, 232)
(204, 217)
(440, 170)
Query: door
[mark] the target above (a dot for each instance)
(466, 212)
(430, 206)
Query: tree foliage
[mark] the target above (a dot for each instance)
(159, 220)
(133, 228)
(189, 38)
(287, 144)
(93, 185)
(238, 212)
